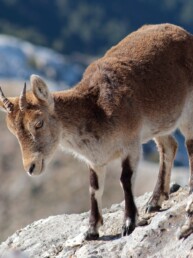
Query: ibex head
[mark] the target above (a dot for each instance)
(32, 119)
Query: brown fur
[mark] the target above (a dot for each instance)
(141, 89)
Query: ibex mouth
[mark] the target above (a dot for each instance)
(43, 166)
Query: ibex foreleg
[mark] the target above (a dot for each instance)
(130, 208)
(129, 167)
(97, 179)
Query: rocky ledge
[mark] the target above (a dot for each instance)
(61, 236)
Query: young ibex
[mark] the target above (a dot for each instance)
(141, 89)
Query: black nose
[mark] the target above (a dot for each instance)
(31, 169)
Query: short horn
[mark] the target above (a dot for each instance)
(7, 103)
(22, 99)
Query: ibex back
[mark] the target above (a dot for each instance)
(141, 89)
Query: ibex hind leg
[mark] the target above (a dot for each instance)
(167, 147)
(187, 227)
(187, 130)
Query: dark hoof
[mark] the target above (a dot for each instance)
(127, 230)
(142, 223)
(190, 191)
(150, 208)
(91, 236)
(185, 232)
(174, 188)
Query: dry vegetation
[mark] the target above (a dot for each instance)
(62, 189)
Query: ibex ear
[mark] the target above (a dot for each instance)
(40, 90)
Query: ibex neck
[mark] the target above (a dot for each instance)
(74, 106)
(82, 121)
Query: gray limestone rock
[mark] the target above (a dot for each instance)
(63, 235)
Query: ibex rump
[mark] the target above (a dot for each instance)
(141, 89)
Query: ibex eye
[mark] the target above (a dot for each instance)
(39, 124)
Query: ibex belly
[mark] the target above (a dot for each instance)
(162, 123)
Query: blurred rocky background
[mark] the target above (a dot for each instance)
(57, 39)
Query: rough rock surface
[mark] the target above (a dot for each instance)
(57, 236)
